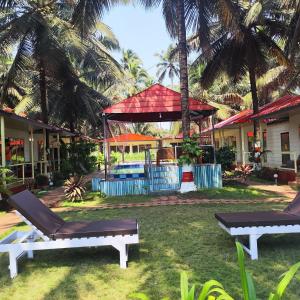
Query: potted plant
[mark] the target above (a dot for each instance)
(190, 155)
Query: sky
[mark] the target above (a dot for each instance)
(140, 30)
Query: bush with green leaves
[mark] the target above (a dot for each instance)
(78, 158)
(191, 151)
(41, 180)
(214, 290)
(226, 157)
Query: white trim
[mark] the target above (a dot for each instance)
(19, 243)
(255, 232)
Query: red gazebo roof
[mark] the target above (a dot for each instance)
(131, 137)
(156, 104)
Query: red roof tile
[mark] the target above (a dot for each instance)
(156, 103)
(284, 103)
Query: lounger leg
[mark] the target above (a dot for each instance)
(13, 264)
(123, 256)
(253, 246)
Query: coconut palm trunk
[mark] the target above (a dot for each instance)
(184, 85)
(43, 97)
(255, 102)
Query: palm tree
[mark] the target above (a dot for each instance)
(244, 47)
(51, 52)
(175, 13)
(167, 66)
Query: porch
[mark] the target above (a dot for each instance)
(23, 147)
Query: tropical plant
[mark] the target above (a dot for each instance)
(214, 290)
(225, 156)
(6, 177)
(191, 151)
(74, 188)
(167, 66)
(243, 171)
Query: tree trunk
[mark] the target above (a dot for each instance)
(43, 92)
(255, 102)
(184, 85)
(44, 99)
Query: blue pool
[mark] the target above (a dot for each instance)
(127, 171)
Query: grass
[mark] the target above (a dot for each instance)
(172, 239)
(230, 192)
(234, 192)
(95, 198)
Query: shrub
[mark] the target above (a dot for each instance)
(78, 158)
(214, 290)
(75, 188)
(41, 180)
(226, 157)
(58, 178)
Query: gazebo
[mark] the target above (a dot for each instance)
(155, 104)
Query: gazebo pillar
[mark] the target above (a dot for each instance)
(31, 151)
(45, 151)
(58, 152)
(104, 145)
(213, 139)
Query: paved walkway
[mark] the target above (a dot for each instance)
(52, 198)
(282, 190)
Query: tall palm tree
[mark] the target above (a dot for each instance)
(167, 66)
(244, 47)
(175, 13)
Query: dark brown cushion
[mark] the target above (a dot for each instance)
(261, 218)
(36, 212)
(54, 227)
(96, 229)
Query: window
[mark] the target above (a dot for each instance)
(285, 147)
(231, 141)
(14, 150)
(113, 149)
(126, 149)
(265, 145)
(250, 140)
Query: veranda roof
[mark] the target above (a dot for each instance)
(156, 104)
(131, 137)
(242, 117)
(282, 105)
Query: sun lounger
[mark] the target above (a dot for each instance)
(256, 224)
(49, 231)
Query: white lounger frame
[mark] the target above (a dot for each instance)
(255, 232)
(19, 243)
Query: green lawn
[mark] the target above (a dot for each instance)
(231, 192)
(172, 239)
(95, 198)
